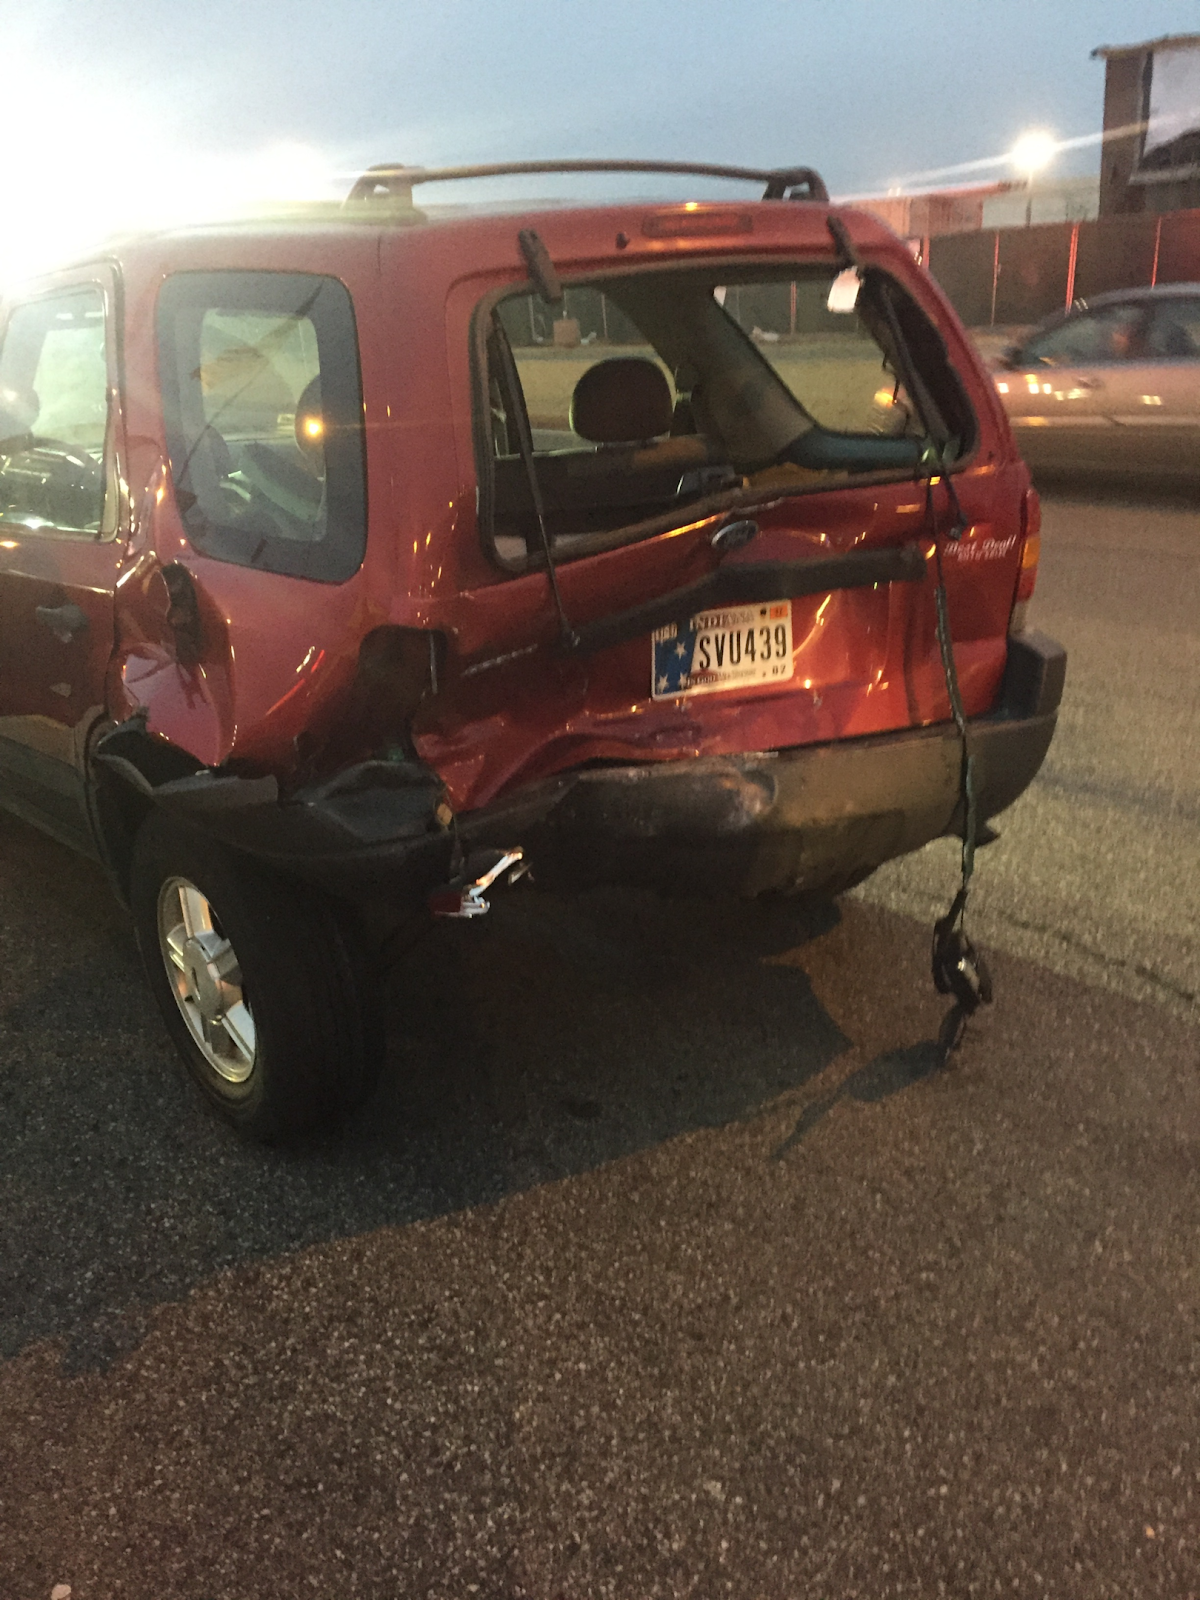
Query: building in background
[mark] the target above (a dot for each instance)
(1151, 158)
(984, 205)
(1045, 200)
(917, 216)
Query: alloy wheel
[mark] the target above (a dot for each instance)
(206, 980)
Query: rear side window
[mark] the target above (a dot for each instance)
(1174, 333)
(262, 401)
(1112, 333)
(54, 413)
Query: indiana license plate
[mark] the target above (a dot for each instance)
(735, 647)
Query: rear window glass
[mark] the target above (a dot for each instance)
(263, 407)
(647, 392)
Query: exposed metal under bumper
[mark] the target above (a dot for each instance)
(804, 821)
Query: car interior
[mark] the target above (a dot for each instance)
(54, 414)
(654, 390)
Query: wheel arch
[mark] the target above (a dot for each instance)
(125, 765)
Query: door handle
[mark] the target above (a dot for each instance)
(65, 622)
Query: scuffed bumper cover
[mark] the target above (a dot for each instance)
(814, 819)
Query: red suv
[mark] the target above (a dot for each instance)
(368, 558)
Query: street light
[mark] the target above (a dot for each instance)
(1032, 153)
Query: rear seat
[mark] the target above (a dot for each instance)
(635, 468)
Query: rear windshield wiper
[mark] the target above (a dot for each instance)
(520, 417)
(541, 270)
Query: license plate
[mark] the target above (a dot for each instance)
(735, 647)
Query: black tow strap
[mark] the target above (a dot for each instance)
(958, 968)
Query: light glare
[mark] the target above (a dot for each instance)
(1033, 152)
(47, 222)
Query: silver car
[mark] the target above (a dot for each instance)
(1113, 386)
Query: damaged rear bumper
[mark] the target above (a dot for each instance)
(814, 819)
(808, 820)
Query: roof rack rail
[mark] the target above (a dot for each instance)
(393, 182)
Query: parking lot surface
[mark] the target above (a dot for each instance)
(667, 1261)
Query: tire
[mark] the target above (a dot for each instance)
(263, 984)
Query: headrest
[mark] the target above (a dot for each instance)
(621, 401)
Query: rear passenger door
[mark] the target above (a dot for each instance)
(60, 514)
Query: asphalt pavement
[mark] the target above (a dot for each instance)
(1097, 870)
(669, 1260)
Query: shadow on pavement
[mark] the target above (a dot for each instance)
(886, 1075)
(549, 1038)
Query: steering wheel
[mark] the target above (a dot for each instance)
(71, 493)
(85, 470)
(62, 447)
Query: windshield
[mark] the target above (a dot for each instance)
(648, 392)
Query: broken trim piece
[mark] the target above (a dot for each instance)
(467, 898)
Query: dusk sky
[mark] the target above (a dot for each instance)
(134, 93)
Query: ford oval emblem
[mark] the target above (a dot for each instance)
(734, 535)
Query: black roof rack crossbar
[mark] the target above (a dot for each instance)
(396, 182)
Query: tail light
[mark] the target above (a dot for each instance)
(1031, 550)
